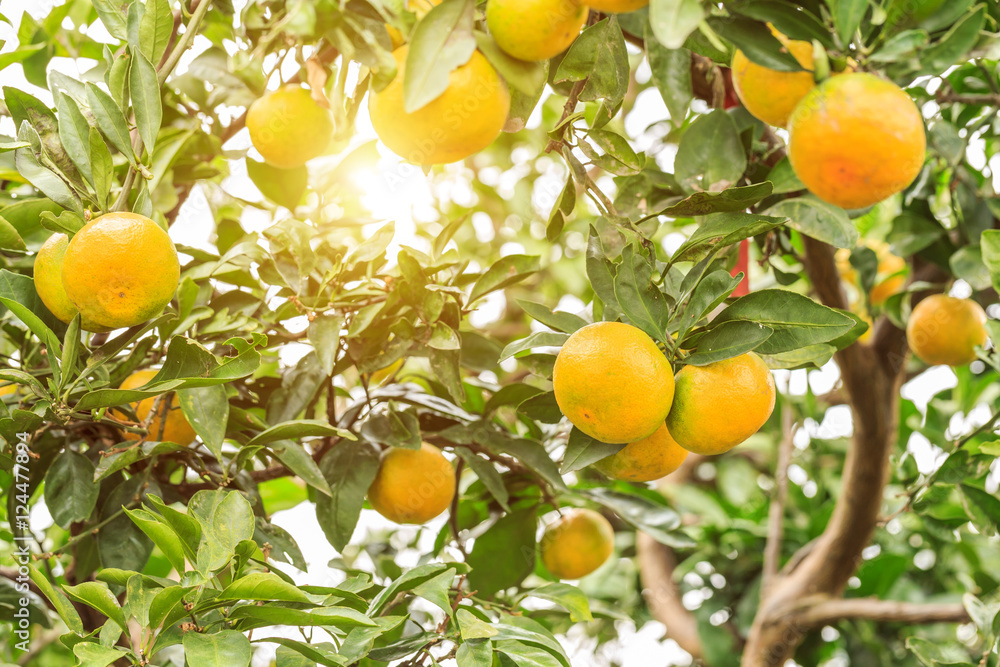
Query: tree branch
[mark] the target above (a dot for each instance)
(886, 611)
(656, 567)
(776, 512)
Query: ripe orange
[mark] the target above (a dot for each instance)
(463, 120)
(616, 6)
(288, 127)
(771, 95)
(946, 330)
(120, 270)
(8, 389)
(645, 460)
(175, 428)
(49, 284)
(613, 383)
(720, 405)
(412, 485)
(577, 543)
(535, 29)
(856, 139)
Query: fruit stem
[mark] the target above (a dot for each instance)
(821, 63)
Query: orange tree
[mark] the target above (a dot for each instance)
(163, 401)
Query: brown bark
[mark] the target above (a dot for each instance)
(663, 596)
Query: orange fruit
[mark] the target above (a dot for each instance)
(720, 405)
(288, 128)
(946, 330)
(856, 139)
(535, 29)
(645, 460)
(771, 95)
(412, 485)
(120, 270)
(577, 544)
(616, 6)
(463, 120)
(613, 383)
(8, 389)
(175, 428)
(49, 284)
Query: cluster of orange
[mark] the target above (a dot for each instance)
(119, 270)
(289, 128)
(853, 139)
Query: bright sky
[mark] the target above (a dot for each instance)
(399, 192)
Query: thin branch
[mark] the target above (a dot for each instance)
(985, 99)
(886, 611)
(657, 563)
(185, 41)
(776, 512)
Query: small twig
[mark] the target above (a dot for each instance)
(776, 513)
(453, 512)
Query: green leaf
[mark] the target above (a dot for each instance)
(990, 241)
(847, 15)
(983, 507)
(583, 450)
(324, 336)
(9, 238)
(487, 474)
(475, 653)
(349, 469)
(967, 263)
(226, 519)
(284, 187)
(74, 132)
(436, 590)
(791, 20)
(161, 534)
(797, 320)
(70, 491)
(537, 339)
(673, 20)
(207, 410)
(956, 43)
(163, 603)
(619, 158)
(298, 460)
(659, 521)
(28, 164)
(17, 292)
(110, 120)
(252, 616)
(723, 229)
(728, 340)
(527, 78)
(815, 218)
(91, 654)
(225, 648)
(506, 271)
(109, 11)
(513, 535)
(145, 93)
(599, 56)
(322, 653)
(935, 653)
(710, 155)
(571, 598)
(263, 586)
(441, 42)
(299, 428)
(67, 612)
(755, 40)
(562, 209)
(558, 320)
(727, 201)
(671, 71)
(98, 596)
(102, 168)
(783, 178)
(471, 627)
(638, 296)
(155, 28)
